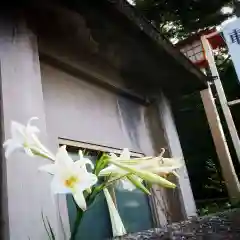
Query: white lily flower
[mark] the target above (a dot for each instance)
(83, 161)
(24, 138)
(161, 166)
(158, 165)
(144, 174)
(117, 172)
(112, 169)
(118, 228)
(146, 168)
(70, 177)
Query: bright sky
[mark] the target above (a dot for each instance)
(226, 10)
(131, 2)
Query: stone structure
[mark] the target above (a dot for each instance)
(100, 76)
(225, 225)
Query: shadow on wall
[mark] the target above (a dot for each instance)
(130, 115)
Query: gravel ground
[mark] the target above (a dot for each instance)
(222, 226)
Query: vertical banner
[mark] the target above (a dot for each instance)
(231, 32)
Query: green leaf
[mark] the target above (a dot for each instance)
(76, 223)
(101, 163)
(112, 180)
(148, 185)
(138, 184)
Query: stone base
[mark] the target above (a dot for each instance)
(225, 226)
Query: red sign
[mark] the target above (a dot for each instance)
(192, 47)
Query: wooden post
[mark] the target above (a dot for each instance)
(221, 95)
(228, 171)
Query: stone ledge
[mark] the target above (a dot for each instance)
(222, 226)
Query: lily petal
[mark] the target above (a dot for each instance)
(80, 200)
(49, 168)
(63, 158)
(25, 138)
(111, 169)
(11, 146)
(29, 152)
(30, 121)
(125, 154)
(85, 160)
(118, 228)
(32, 129)
(17, 131)
(89, 162)
(57, 186)
(87, 181)
(42, 148)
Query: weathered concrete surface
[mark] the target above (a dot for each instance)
(224, 225)
(25, 192)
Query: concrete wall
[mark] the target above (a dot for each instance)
(79, 111)
(182, 196)
(68, 107)
(25, 192)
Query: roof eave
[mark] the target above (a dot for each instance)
(145, 26)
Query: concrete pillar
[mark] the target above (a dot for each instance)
(188, 207)
(25, 191)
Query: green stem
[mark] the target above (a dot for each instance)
(89, 200)
(42, 154)
(76, 224)
(80, 213)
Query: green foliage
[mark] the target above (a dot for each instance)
(178, 19)
(138, 184)
(215, 179)
(76, 223)
(101, 162)
(217, 206)
(198, 147)
(214, 207)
